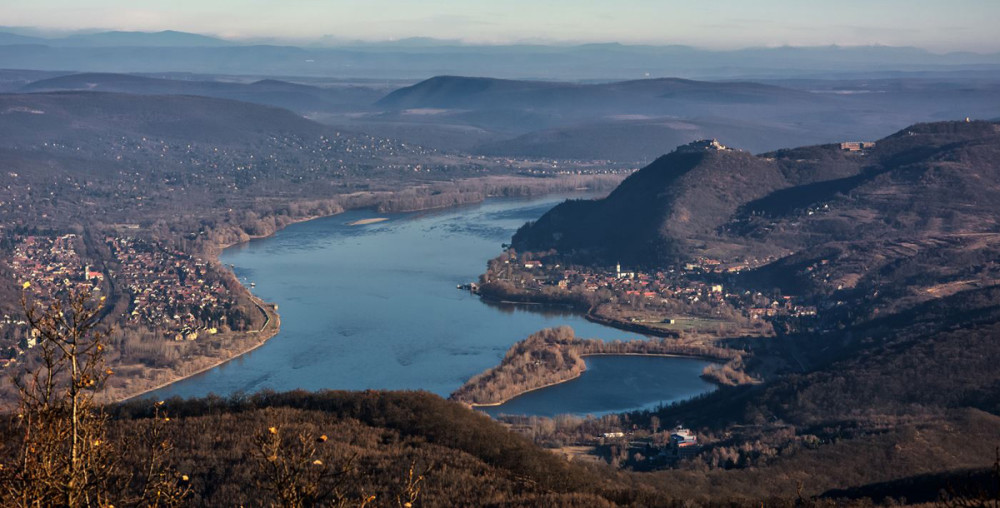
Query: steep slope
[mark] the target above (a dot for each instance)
(660, 213)
(929, 179)
(918, 222)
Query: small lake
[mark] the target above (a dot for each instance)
(375, 306)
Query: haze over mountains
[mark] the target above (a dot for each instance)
(592, 101)
(417, 58)
(301, 98)
(622, 121)
(165, 38)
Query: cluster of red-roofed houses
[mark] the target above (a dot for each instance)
(170, 291)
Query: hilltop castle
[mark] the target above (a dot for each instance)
(704, 145)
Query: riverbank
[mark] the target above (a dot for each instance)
(516, 395)
(162, 378)
(582, 308)
(629, 326)
(491, 293)
(625, 318)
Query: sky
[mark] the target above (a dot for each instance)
(937, 25)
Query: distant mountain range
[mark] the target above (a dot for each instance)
(420, 58)
(300, 98)
(165, 38)
(76, 117)
(638, 120)
(624, 121)
(624, 97)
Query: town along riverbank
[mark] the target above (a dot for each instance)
(231, 347)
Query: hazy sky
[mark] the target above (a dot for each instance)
(932, 24)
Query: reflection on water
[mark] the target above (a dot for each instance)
(375, 306)
(549, 311)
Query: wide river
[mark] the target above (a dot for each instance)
(376, 307)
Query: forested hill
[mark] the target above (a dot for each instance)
(928, 179)
(648, 216)
(647, 96)
(466, 459)
(62, 117)
(297, 97)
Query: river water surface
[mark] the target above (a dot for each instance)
(376, 307)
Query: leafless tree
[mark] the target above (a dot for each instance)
(63, 456)
(297, 469)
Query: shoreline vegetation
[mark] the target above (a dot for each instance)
(266, 333)
(594, 309)
(161, 378)
(555, 355)
(133, 382)
(268, 217)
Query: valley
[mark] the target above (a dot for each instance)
(135, 202)
(736, 286)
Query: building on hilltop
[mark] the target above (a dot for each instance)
(856, 146)
(703, 145)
